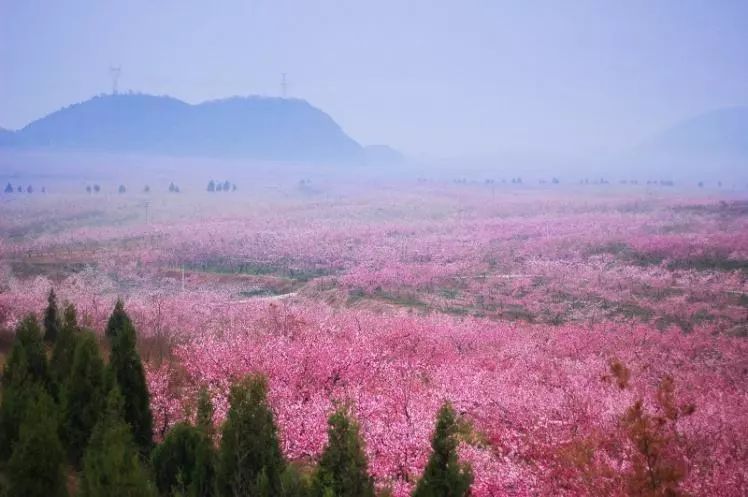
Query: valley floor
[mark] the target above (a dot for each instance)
(521, 306)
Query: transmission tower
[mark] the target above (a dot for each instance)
(115, 73)
(284, 85)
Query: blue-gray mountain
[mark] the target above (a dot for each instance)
(251, 127)
(6, 137)
(711, 146)
(383, 155)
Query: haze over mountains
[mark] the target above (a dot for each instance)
(711, 145)
(253, 127)
(6, 137)
(707, 146)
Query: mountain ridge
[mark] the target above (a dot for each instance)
(714, 142)
(253, 127)
(724, 128)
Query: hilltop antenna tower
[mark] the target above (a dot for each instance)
(284, 85)
(115, 73)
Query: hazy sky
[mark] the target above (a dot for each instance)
(434, 77)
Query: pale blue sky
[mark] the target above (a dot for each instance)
(434, 77)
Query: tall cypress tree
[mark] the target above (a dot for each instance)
(203, 477)
(64, 349)
(444, 475)
(126, 370)
(204, 416)
(25, 368)
(70, 316)
(111, 464)
(343, 468)
(250, 458)
(52, 322)
(27, 357)
(175, 460)
(294, 483)
(83, 396)
(36, 468)
(118, 320)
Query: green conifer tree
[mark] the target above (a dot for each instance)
(28, 349)
(64, 349)
(294, 483)
(175, 460)
(52, 321)
(250, 458)
(444, 475)
(203, 477)
(343, 468)
(204, 417)
(36, 468)
(26, 367)
(118, 320)
(70, 316)
(111, 464)
(83, 396)
(126, 370)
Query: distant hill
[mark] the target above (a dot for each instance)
(382, 155)
(6, 137)
(251, 127)
(711, 146)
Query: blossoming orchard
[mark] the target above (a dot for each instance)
(583, 339)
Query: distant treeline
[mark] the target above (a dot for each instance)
(217, 186)
(227, 186)
(9, 188)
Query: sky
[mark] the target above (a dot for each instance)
(433, 78)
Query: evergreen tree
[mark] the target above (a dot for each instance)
(343, 468)
(70, 317)
(121, 189)
(293, 483)
(9, 188)
(444, 475)
(211, 186)
(27, 357)
(83, 396)
(203, 482)
(204, 417)
(36, 467)
(118, 320)
(203, 477)
(111, 465)
(64, 350)
(175, 460)
(16, 396)
(126, 370)
(51, 318)
(250, 459)
(26, 367)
